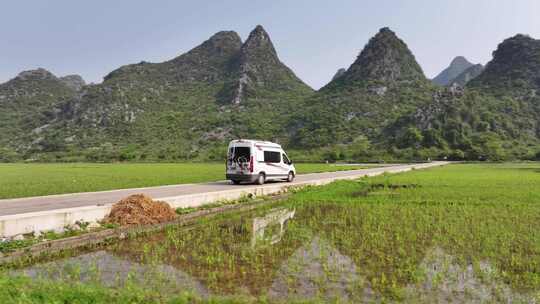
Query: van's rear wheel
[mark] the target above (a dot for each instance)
(236, 182)
(290, 177)
(261, 179)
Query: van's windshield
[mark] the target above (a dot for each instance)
(239, 154)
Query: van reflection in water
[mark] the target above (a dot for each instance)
(271, 227)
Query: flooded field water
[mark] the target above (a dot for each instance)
(358, 241)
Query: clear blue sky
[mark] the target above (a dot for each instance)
(313, 37)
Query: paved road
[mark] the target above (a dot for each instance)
(51, 202)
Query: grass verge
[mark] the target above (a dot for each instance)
(24, 180)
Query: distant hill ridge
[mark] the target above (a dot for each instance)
(457, 67)
(467, 75)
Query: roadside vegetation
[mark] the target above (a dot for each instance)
(23, 180)
(134, 211)
(461, 233)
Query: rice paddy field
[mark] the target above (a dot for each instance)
(464, 233)
(23, 180)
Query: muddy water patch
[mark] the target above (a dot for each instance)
(446, 281)
(107, 269)
(354, 252)
(318, 270)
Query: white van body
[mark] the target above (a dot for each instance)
(257, 161)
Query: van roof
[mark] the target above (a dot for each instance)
(253, 141)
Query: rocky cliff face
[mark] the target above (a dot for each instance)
(256, 56)
(457, 67)
(260, 68)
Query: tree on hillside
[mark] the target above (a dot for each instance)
(411, 138)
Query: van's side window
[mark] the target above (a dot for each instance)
(272, 157)
(285, 159)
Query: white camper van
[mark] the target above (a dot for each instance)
(257, 161)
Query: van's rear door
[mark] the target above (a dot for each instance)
(238, 160)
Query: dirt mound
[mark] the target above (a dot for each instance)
(139, 209)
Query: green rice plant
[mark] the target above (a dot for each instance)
(383, 239)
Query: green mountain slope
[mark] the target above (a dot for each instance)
(383, 83)
(28, 107)
(515, 68)
(185, 107)
(381, 107)
(467, 125)
(496, 117)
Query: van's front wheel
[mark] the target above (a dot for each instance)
(261, 179)
(290, 177)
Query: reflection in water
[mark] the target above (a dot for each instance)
(273, 219)
(220, 253)
(319, 270)
(448, 282)
(110, 270)
(325, 252)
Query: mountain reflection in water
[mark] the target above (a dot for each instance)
(309, 252)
